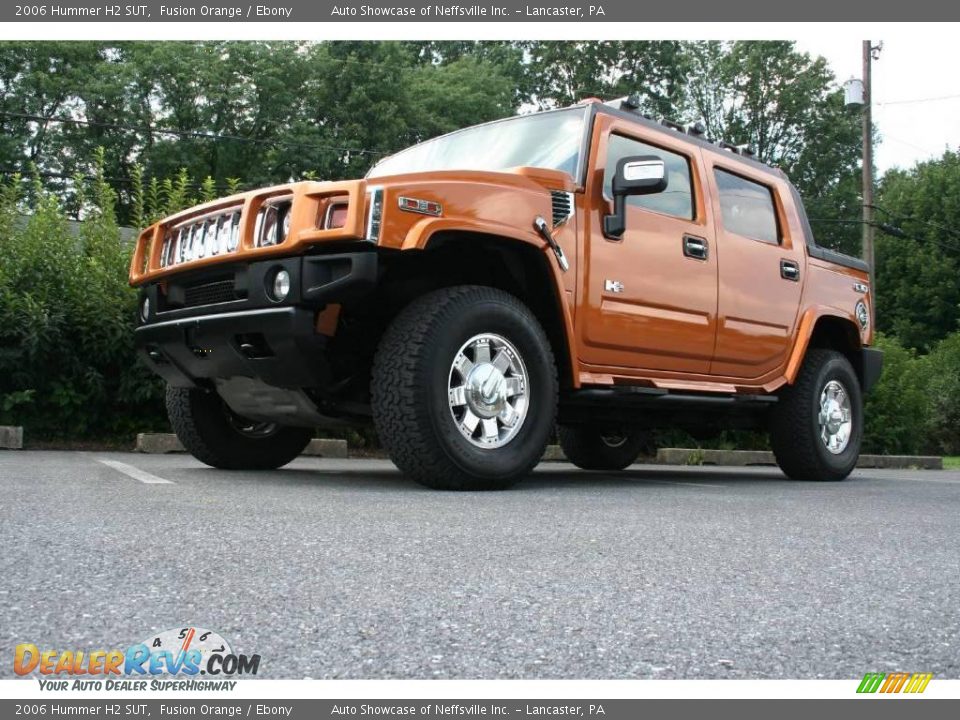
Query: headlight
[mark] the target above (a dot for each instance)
(273, 223)
(268, 229)
(281, 285)
(336, 216)
(375, 216)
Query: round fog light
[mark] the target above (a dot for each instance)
(281, 285)
(145, 309)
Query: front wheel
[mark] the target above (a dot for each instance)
(592, 448)
(215, 435)
(817, 424)
(464, 389)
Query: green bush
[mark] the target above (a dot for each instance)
(943, 391)
(68, 368)
(896, 408)
(915, 408)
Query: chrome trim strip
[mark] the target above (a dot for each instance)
(200, 319)
(376, 196)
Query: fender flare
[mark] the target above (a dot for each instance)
(805, 329)
(422, 233)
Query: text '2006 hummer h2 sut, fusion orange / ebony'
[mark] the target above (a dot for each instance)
(586, 268)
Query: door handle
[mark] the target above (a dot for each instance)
(695, 247)
(789, 270)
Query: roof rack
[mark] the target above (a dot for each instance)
(632, 103)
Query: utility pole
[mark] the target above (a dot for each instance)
(870, 52)
(858, 92)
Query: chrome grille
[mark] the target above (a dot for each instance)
(215, 234)
(562, 206)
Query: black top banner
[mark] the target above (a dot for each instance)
(573, 11)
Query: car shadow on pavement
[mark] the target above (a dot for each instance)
(544, 477)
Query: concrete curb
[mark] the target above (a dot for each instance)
(11, 437)
(162, 443)
(553, 453)
(693, 456)
(158, 443)
(325, 447)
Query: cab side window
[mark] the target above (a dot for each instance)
(747, 208)
(676, 200)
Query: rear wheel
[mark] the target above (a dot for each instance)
(817, 424)
(464, 389)
(215, 435)
(602, 448)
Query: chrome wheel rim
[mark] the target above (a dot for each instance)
(613, 439)
(250, 428)
(835, 417)
(487, 391)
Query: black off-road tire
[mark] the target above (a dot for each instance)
(795, 431)
(207, 430)
(409, 389)
(592, 448)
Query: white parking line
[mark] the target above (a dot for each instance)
(136, 473)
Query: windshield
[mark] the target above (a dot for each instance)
(552, 140)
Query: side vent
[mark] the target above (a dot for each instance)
(562, 204)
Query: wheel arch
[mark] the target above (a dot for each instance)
(454, 256)
(826, 329)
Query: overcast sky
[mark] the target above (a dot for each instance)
(909, 69)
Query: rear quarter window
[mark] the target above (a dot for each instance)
(747, 207)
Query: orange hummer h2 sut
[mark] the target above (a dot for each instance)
(585, 268)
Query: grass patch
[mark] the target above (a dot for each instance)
(951, 462)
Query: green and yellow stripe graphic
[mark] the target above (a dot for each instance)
(894, 682)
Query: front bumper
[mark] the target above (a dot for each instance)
(222, 323)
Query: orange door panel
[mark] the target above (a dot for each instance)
(761, 274)
(651, 297)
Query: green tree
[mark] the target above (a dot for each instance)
(918, 278)
(562, 73)
(786, 106)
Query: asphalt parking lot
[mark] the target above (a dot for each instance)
(343, 569)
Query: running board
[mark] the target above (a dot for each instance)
(634, 395)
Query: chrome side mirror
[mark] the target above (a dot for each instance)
(637, 175)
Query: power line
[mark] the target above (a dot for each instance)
(914, 218)
(892, 230)
(192, 133)
(919, 100)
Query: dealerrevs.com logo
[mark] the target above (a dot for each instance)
(190, 658)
